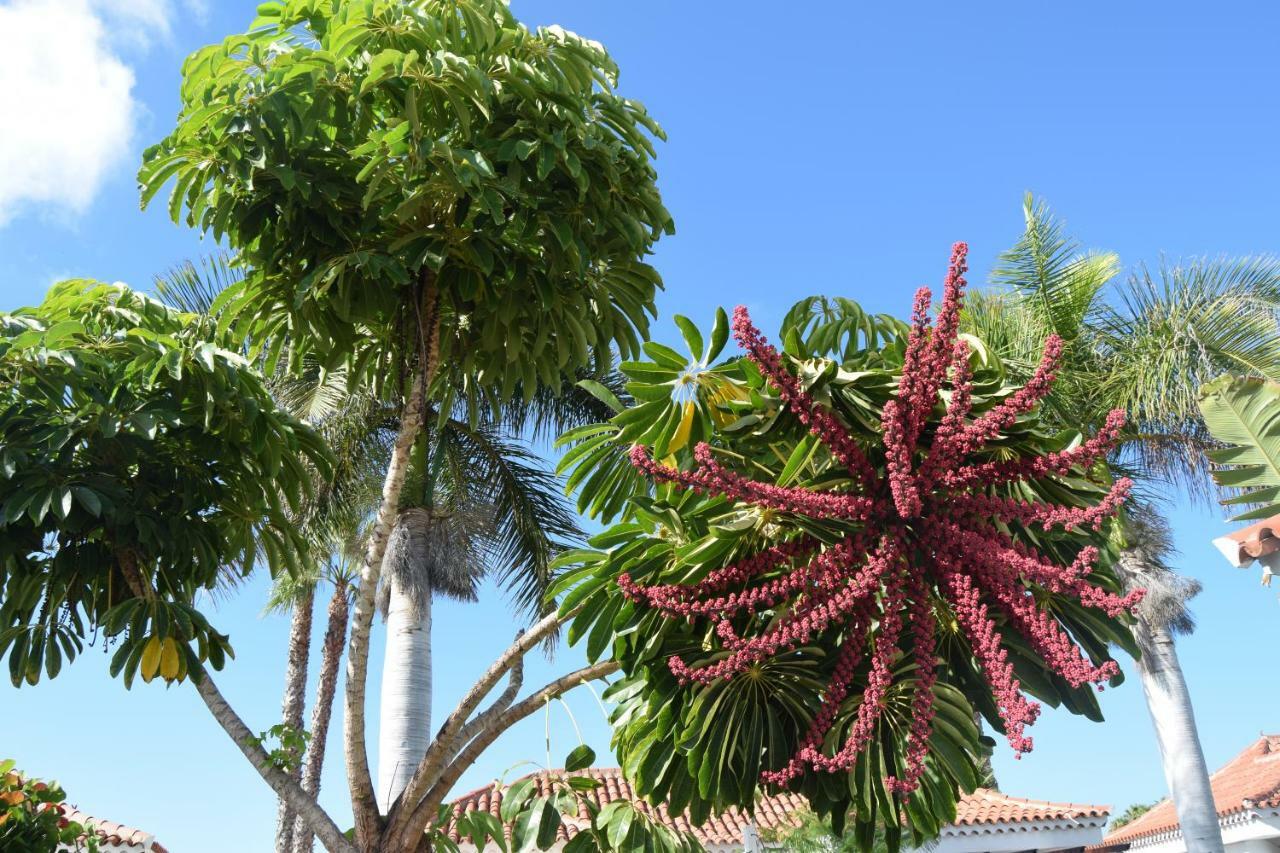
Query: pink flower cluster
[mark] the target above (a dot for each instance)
(923, 539)
(820, 422)
(711, 478)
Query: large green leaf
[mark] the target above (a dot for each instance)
(360, 155)
(1243, 413)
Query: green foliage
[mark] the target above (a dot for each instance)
(1131, 814)
(137, 449)
(702, 747)
(284, 745)
(1243, 413)
(535, 809)
(1144, 343)
(33, 817)
(355, 151)
(812, 835)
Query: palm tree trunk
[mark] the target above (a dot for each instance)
(335, 634)
(1185, 769)
(364, 805)
(295, 700)
(405, 728)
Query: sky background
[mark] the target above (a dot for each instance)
(837, 150)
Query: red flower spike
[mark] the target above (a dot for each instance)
(923, 537)
(820, 422)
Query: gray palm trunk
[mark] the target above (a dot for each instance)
(405, 719)
(1169, 703)
(335, 636)
(429, 553)
(294, 703)
(1185, 769)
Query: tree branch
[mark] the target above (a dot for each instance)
(304, 806)
(420, 818)
(515, 680)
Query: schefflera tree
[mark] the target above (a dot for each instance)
(142, 462)
(850, 545)
(418, 189)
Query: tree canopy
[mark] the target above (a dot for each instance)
(361, 156)
(143, 460)
(679, 588)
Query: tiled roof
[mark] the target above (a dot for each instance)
(115, 833)
(1251, 780)
(981, 807)
(987, 806)
(771, 812)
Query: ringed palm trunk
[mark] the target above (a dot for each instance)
(294, 703)
(335, 636)
(1165, 687)
(1185, 769)
(405, 721)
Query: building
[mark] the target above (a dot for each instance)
(115, 837)
(1246, 794)
(991, 822)
(986, 821)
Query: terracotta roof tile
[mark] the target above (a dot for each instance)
(983, 806)
(1249, 543)
(987, 806)
(771, 812)
(109, 832)
(1251, 780)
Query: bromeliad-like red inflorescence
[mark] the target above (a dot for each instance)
(927, 522)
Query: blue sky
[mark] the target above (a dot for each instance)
(837, 150)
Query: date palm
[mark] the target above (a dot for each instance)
(1145, 344)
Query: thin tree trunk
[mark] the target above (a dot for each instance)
(294, 703)
(1185, 769)
(405, 721)
(335, 634)
(364, 804)
(305, 806)
(307, 809)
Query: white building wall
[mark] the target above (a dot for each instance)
(1246, 832)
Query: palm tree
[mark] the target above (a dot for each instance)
(1147, 351)
(484, 505)
(477, 503)
(339, 571)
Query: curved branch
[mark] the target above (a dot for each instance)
(302, 804)
(421, 816)
(481, 723)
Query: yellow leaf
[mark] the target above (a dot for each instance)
(150, 662)
(681, 436)
(170, 659)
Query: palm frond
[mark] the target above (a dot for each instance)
(553, 411)
(194, 289)
(1176, 330)
(532, 519)
(1060, 283)
(1144, 564)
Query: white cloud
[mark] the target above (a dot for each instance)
(67, 108)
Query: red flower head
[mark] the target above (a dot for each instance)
(924, 520)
